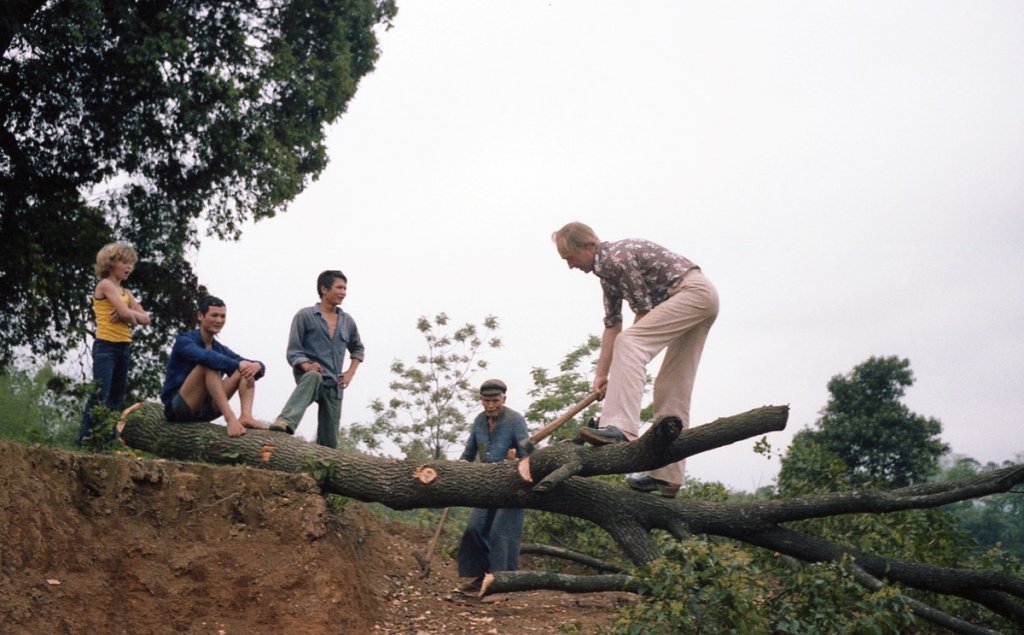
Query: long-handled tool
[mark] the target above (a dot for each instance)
(540, 435)
(424, 560)
(547, 430)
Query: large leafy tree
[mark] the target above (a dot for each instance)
(433, 397)
(866, 435)
(147, 121)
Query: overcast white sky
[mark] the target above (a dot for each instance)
(850, 175)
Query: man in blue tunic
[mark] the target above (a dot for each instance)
(492, 537)
(319, 337)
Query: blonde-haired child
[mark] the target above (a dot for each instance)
(116, 311)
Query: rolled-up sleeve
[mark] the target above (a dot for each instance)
(355, 343)
(296, 353)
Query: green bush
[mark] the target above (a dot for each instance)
(712, 586)
(38, 408)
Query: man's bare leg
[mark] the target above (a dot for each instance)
(246, 397)
(246, 390)
(220, 392)
(193, 390)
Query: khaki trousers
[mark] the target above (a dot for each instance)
(679, 326)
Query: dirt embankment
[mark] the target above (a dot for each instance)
(115, 544)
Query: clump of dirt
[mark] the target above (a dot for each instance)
(119, 544)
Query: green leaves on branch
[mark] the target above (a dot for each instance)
(434, 397)
(703, 585)
(554, 393)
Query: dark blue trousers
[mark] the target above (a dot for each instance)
(110, 361)
(491, 542)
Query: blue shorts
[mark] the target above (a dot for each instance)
(178, 410)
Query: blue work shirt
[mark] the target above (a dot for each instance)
(492, 445)
(190, 351)
(309, 340)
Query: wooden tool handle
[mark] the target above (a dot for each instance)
(546, 431)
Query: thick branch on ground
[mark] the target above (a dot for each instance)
(570, 555)
(921, 609)
(627, 516)
(995, 590)
(509, 581)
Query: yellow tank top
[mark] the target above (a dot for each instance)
(106, 329)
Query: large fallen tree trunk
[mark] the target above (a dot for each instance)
(550, 480)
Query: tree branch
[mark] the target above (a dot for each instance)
(987, 587)
(569, 554)
(665, 442)
(628, 517)
(921, 496)
(921, 609)
(509, 581)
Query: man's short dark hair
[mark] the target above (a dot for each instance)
(326, 280)
(206, 302)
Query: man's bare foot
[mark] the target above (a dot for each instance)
(235, 429)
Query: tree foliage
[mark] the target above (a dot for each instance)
(554, 393)
(147, 122)
(703, 585)
(434, 397)
(995, 522)
(37, 408)
(866, 436)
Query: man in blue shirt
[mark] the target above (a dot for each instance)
(203, 374)
(492, 537)
(319, 337)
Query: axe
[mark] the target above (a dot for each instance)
(547, 430)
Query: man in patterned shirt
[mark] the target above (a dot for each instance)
(674, 307)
